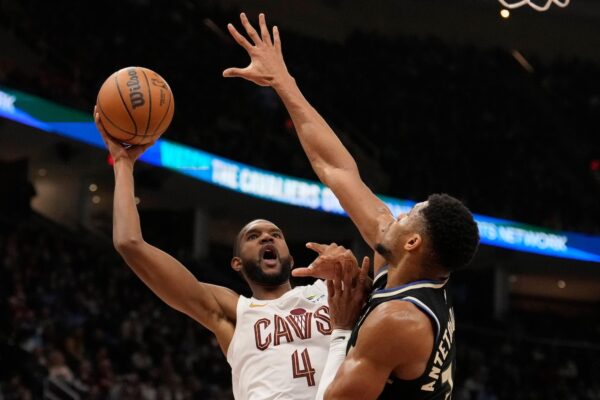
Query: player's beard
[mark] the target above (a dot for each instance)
(383, 251)
(254, 273)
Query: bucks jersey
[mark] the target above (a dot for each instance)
(429, 297)
(279, 347)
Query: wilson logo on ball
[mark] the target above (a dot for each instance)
(135, 95)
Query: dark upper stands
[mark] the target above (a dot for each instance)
(420, 115)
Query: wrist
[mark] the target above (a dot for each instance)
(339, 326)
(284, 82)
(335, 358)
(338, 333)
(123, 164)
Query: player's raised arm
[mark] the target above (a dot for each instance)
(212, 306)
(329, 158)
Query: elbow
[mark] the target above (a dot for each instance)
(127, 245)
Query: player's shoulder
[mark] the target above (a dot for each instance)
(318, 285)
(399, 319)
(315, 292)
(220, 290)
(395, 333)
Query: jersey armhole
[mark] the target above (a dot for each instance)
(242, 305)
(425, 309)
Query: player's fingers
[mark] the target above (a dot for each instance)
(100, 126)
(363, 273)
(235, 73)
(250, 29)
(347, 275)
(303, 272)
(136, 151)
(97, 120)
(337, 281)
(330, 249)
(108, 140)
(96, 115)
(319, 261)
(348, 255)
(330, 290)
(264, 31)
(276, 39)
(317, 247)
(364, 268)
(145, 147)
(239, 38)
(101, 129)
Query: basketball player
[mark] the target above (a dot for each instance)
(277, 341)
(402, 347)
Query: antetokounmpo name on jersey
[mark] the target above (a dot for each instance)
(441, 354)
(274, 331)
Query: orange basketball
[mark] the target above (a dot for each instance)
(136, 105)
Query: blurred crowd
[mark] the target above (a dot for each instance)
(498, 364)
(77, 318)
(420, 115)
(77, 315)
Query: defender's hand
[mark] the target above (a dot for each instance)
(346, 295)
(266, 59)
(323, 267)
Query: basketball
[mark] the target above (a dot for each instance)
(136, 105)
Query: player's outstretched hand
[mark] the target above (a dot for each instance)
(346, 295)
(323, 267)
(119, 151)
(266, 66)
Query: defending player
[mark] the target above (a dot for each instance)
(276, 341)
(401, 349)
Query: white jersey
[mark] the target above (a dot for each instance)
(279, 347)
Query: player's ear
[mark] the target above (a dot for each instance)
(414, 242)
(236, 264)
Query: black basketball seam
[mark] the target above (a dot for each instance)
(168, 108)
(133, 134)
(106, 130)
(124, 103)
(150, 103)
(109, 133)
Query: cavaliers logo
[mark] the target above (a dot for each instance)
(298, 325)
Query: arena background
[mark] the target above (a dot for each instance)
(429, 96)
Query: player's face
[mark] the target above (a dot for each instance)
(264, 253)
(400, 229)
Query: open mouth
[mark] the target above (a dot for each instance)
(268, 255)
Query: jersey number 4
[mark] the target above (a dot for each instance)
(304, 371)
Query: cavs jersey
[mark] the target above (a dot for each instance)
(279, 347)
(430, 297)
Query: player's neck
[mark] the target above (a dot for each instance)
(403, 274)
(261, 292)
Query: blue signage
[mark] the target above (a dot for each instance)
(271, 186)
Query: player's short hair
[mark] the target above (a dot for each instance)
(236, 243)
(452, 231)
(238, 238)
